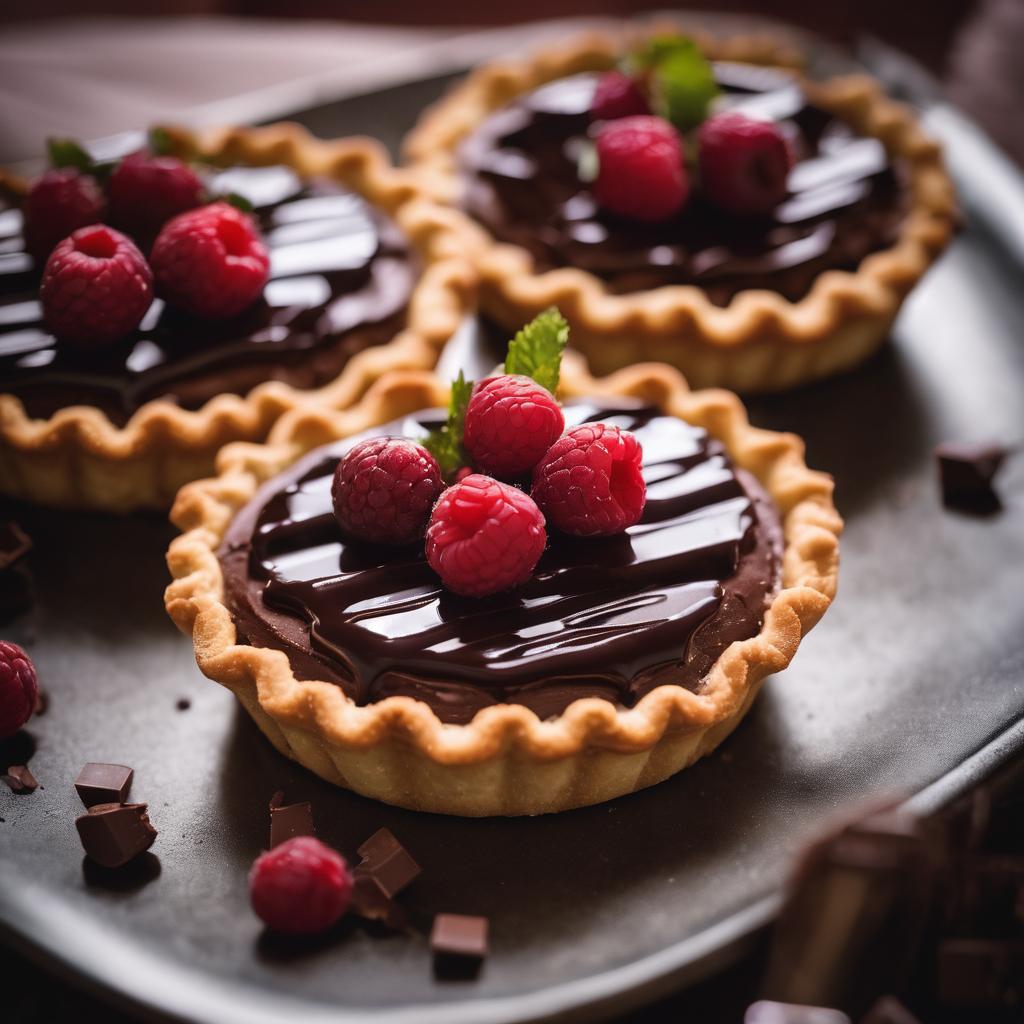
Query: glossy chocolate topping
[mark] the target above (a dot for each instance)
(610, 617)
(519, 169)
(340, 279)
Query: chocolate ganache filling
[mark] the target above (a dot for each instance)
(608, 617)
(341, 274)
(521, 180)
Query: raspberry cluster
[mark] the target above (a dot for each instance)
(484, 534)
(743, 162)
(97, 285)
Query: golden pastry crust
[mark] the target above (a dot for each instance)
(761, 341)
(78, 457)
(506, 761)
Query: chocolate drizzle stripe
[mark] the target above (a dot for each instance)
(609, 617)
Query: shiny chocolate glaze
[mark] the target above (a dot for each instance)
(340, 280)
(609, 617)
(520, 176)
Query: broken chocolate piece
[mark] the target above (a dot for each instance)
(371, 902)
(20, 780)
(391, 865)
(966, 471)
(889, 1010)
(113, 834)
(15, 544)
(767, 1012)
(291, 821)
(459, 943)
(104, 783)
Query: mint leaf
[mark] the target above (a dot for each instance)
(681, 78)
(68, 153)
(239, 202)
(159, 142)
(445, 443)
(536, 351)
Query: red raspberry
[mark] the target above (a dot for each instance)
(511, 421)
(19, 688)
(384, 489)
(210, 262)
(484, 537)
(59, 202)
(617, 95)
(96, 287)
(591, 481)
(640, 168)
(300, 887)
(146, 191)
(744, 163)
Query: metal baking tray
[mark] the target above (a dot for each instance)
(913, 684)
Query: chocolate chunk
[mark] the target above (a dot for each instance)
(889, 1010)
(104, 783)
(15, 544)
(20, 780)
(291, 821)
(767, 1012)
(370, 901)
(459, 943)
(384, 857)
(112, 834)
(966, 471)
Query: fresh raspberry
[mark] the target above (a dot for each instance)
(484, 536)
(210, 262)
(96, 287)
(61, 201)
(511, 421)
(744, 163)
(300, 887)
(19, 688)
(617, 95)
(384, 489)
(590, 482)
(146, 191)
(640, 168)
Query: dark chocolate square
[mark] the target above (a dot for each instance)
(99, 783)
(384, 857)
(460, 944)
(966, 471)
(290, 821)
(113, 834)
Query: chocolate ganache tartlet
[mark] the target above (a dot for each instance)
(341, 275)
(694, 201)
(609, 617)
(846, 198)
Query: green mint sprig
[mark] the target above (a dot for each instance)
(535, 351)
(69, 153)
(681, 79)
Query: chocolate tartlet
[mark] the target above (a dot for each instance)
(621, 661)
(521, 181)
(366, 274)
(753, 302)
(340, 280)
(610, 618)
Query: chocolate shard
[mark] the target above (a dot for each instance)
(371, 902)
(966, 471)
(767, 1012)
(20, 780)
(99, 783)
(113, 834)
(15, 544)
(391, 865)
(889, 1010)
(291, 821)
(460, 944)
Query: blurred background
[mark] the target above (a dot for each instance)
(93, 67)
